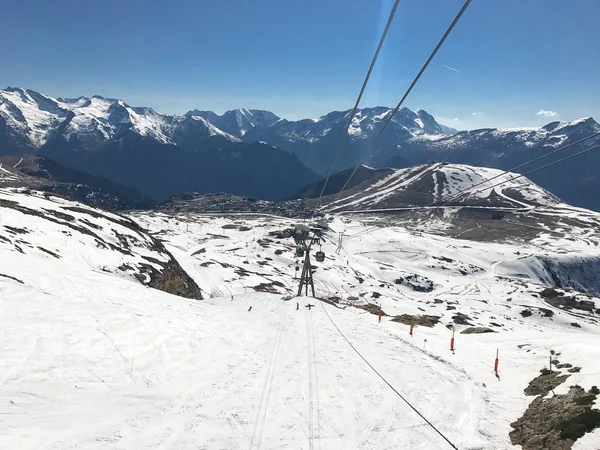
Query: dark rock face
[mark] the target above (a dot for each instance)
(557, 422)
(172, 279)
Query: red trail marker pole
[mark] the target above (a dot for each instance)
(411, 330)
(380, 313)
(452, 340)
(496, 363)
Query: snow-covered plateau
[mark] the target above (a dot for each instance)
(91, 357)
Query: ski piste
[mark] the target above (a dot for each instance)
(92, 358)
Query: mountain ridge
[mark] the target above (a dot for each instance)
(76, 131)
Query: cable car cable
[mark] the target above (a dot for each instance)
(460, 193)
(412, 85)
(387, 382)
(362, 90)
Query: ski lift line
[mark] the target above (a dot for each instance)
(410, 88)
(362, 90)
(512, 169)
(386, 381)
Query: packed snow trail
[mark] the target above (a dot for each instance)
(314, 427)
(387, 382)
(261, 416)
(110, 364)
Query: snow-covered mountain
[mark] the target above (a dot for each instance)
(315, 141)
(34, 120)
(576, 181)
(491, 145)
(99, 135)
(239, 121)
(438, 183)
(160, 155)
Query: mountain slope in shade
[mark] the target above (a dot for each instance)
(41, 173)
(336, 182)
(162, 170)
(239, 121)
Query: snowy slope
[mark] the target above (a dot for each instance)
(437, 183)
(484, 282)
(94, 360)
(55, 233)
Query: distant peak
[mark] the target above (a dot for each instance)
(14, 89)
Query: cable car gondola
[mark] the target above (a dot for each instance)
(320, 256)
(299, 252)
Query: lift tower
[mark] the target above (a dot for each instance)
(305, 239)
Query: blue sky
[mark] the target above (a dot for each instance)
(518, 62)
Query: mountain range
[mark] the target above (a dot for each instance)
(158, 154)
(255, 153)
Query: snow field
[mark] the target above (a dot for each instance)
(93, 360)
(379, 256)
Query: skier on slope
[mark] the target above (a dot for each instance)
(250, 309)
(297, 306)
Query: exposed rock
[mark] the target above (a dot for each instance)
(422, 320)
(545, 382)
(555, 298)
(172, 279)
(477, 330)
(556, 423)
(268, 287)
(461, 319)
(11, 278)
(372, 308)
(417, 283)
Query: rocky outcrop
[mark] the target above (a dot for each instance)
(555, 423)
